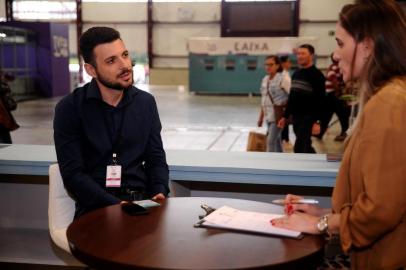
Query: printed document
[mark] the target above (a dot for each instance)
(229, 218)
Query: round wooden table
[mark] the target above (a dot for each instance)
(108, 238)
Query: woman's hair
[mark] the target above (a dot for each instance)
(277, 61)
(384, 23)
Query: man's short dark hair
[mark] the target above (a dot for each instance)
(95, 36)
(284, 58)
(309, 47)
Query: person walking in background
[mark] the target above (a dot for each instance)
(274, 95)
(286, 65)
(333, 104)
(369, 198)
(305, 103)
(7, 104)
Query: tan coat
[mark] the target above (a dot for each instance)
(370, 192)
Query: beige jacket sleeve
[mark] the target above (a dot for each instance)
(378, 162)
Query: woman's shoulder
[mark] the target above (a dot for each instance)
(278, 77)
(285, 76)
(398, 84)
(389, 101)
(393, 92)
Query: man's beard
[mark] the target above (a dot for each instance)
(114, 85)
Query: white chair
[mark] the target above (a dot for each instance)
(61, 208)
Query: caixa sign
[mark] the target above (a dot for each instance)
(248, 47)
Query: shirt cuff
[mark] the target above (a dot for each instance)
(110, 199)
(156, 189)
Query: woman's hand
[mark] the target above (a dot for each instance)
(260, 121)
(291, 206)
(298, 222)
(260, 118)
(291, 198)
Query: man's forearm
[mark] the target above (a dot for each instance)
(87, 192)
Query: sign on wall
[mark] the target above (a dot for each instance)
(249, 46)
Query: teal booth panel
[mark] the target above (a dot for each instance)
(225, 74)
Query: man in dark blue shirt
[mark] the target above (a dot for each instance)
(107, 133)
(305, 103)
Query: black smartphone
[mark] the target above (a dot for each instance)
(133, 209)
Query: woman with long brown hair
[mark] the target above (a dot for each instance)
(369, 199)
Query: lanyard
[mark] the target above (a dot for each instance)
(114, 140)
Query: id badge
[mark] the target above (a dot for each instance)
(113, 176)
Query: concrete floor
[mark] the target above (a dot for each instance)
(200, 122)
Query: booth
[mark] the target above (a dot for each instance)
(235, 65)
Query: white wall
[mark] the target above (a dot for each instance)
(321, 10)
(72, 39)
(170, 33)
(128, 18)
(324, 32)
(187, 11)
(114, 12)
(178, 21)
(171, 40)
(318, 18)
(134, 36)
(2, 9)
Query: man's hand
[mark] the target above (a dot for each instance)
(159, 196)
(316, 129)
(282, 122)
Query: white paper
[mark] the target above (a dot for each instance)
(230, 218)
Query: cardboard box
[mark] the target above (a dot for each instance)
(256, 142)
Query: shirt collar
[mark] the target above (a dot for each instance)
(93, 90)
(311, 67)
(94, 93)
